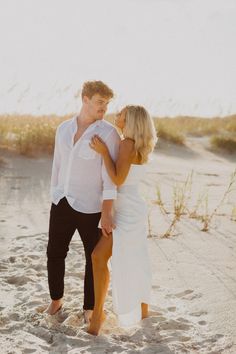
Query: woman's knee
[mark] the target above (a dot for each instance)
(99, 258)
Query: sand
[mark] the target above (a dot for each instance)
(193, 308)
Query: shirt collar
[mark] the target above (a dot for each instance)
(94, 124)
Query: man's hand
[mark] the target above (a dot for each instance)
(107, 223)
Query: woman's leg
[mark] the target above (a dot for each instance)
(87, 226)
(101, 276)
(144, 308)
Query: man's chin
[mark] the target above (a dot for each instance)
(99, 116)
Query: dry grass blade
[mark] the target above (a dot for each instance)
(193, 214)
(233, 214)
(207, 218)
(160, 202)
(181, 196)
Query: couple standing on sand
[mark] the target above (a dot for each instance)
(94, 187)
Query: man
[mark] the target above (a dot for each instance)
(81, 191)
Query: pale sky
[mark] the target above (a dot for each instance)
(173, 56)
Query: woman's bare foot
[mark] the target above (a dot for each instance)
(54, 307)
(144, 308)
(96, 323)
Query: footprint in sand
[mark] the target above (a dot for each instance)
(41, 308)
(33, 303)
(3, 267)
(185, 295)
(15, 249)
(74, 321)
(198, 313)
(14, 316)
(173, 325)
(18, 280)
(23, 227)
(155, 287)
(181, 319)
(175, 338)
(171, 309)
(28, 351)
(33, 256)
(181, 294)
(202, 323)
(192, 297)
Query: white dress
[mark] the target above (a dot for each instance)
(131, 273)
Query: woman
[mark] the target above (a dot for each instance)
(131, 277)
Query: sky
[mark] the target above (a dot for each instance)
(176, 57)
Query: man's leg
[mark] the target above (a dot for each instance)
(61, 229)
(87, 225)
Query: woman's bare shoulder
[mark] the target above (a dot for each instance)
(127, 143)
(127, 147)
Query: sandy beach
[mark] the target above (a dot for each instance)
(193, 308)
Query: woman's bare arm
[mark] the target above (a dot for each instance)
(118, 170)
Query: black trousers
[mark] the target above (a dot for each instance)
(64, 220)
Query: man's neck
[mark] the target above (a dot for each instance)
(84, 119)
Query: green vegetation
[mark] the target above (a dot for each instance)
(31, 135)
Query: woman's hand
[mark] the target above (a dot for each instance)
(98, 145)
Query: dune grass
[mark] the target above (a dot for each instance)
(31, 135)
(226, 143)
(182, 206)
(198, 127)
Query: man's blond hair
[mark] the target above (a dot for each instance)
(90, 88)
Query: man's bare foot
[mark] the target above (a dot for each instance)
(54, 307)
(96, 323)
(87, 316)
(144, 308)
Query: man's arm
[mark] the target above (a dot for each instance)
(109, 188)
(55, 164)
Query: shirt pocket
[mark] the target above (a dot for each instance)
(85, 151)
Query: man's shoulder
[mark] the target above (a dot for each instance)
(63, 125)
(108, 127)
(109, 131)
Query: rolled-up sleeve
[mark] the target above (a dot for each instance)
(109, 188)
(55, 165)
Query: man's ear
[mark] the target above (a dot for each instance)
(85, 99)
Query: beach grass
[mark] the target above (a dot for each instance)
(31, 135)
(198, 127)
(226, 143)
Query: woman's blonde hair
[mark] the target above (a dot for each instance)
(139, 127)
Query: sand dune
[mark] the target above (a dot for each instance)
(194, 286)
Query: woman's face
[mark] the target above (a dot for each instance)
(120, 119)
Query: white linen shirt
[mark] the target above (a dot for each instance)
(78, 172)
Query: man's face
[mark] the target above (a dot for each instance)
(96, 106)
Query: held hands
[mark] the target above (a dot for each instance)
(107, 224)
(98, 145)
